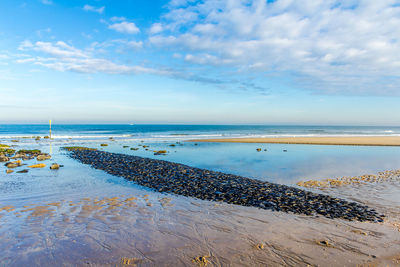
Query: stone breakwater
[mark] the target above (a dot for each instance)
(169, 177)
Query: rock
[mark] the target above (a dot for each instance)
(37, 138)
(284, 150)
(23, 171)
(201, 260)
(125, 146)
(258, 149)
(40, 165)
(9, 171)
(3, 158)
(13, 164)
(103, 144)
(134, 148)
(46, 137)
(54, 166)
(160, 152)
(42, 157)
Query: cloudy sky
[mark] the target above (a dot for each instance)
(210, 61)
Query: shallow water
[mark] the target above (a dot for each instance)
(77, 215)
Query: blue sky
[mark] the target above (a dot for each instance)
(186, 61)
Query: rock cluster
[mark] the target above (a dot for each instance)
(169, 177)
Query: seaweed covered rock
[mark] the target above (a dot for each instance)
(43, 156)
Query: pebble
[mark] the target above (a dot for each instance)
(170, 177)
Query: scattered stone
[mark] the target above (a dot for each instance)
(42, 157)
(34, 152)
(134, 148)
(23, 171)
(201, 260)
(258, 149)
(13, 164)
(324, 243)
(259, 246)
(160, 152)
(54, 166)
(174, 178)
(46, 137)
(3, 158)
(103, 144)
(125, 146)
(75, 148)
(172, 145)
(9, 171)
(40, 165)
(7, 151)
(357, 231)
(130, 261)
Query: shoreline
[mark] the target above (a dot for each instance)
(337, 140)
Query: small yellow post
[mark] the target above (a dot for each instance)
(50, 127)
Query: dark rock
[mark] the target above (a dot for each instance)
(54, 166)
(169, 177)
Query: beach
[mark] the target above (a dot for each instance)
(331, 140)
(135, 201)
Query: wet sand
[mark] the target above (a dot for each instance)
(351, 141)
(161, 230)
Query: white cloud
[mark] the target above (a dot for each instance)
(47, 2)
(58, 49)
(118, 18)
(329, 45)
(25, 45)
(156, 28)
(63, 57)
(134, 44)
(125, 27)
(99, 10)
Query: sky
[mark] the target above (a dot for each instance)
(200, 62)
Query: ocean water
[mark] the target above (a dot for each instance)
(179, 132)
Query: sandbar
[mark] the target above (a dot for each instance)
(331, 140)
